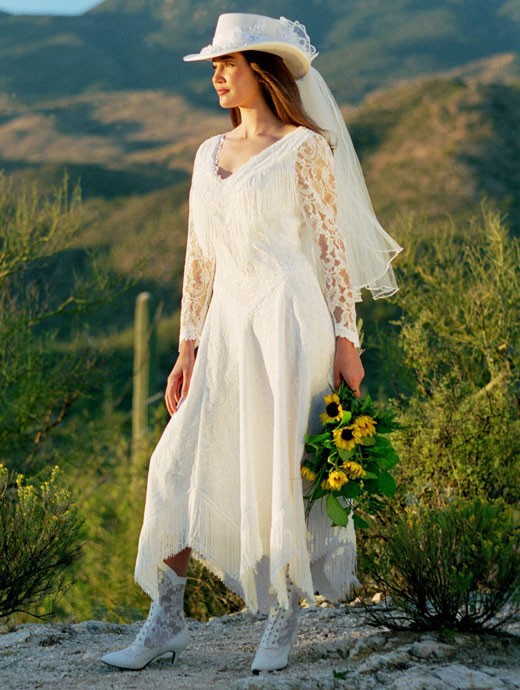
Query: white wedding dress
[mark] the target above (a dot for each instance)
(265, 291)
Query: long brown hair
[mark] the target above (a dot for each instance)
(279, 90)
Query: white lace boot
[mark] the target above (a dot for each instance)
(163, 631)
(278, 638)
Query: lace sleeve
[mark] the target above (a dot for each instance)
(317, 189)
(199, 271)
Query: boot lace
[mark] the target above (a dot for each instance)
(165, 618)
(280, 629)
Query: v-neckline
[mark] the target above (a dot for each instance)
(220, 142)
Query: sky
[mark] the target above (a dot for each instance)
(47, 6)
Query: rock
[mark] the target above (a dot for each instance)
(97, 627)
(426, 649)
(367, 645)
(417, 680)
(380, 662)
(276, 682)
(336, 650)
(464, 678)
(13, 638)
(510, 677)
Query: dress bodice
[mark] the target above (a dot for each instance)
(275, 215)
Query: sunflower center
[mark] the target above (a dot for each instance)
(332, 409)
(346, 434)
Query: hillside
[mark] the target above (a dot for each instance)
(433, 146)
(138, 44)
(438, 145)
(429, 147)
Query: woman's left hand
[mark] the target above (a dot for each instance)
(347, 365)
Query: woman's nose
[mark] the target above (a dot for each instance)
(217, 74)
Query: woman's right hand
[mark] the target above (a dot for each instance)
(178, 382)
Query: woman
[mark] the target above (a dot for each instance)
(268, 303)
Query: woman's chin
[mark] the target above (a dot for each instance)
(225, 102)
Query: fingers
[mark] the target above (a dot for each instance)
(186, 380)
(172, 393)
(353, 381)
(170, 400)
(177, 388)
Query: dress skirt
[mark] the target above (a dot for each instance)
(225, 476)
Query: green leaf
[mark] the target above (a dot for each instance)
(372, 486)
(318, 493)
(337, 513)
(318, 438)
(351, 490)
(347, 416)
(346, 454)
(382, 442)
(388, 462)
(368, 441)
(387, 485)
(370, 475)
(373, 468)
(359, 522)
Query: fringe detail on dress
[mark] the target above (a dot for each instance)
(246, 202)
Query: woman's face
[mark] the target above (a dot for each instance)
(235, 82)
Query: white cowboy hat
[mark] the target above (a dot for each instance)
(237, 32)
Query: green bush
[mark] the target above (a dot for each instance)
(47, 364)
(456, 567)
(39, 541)
(459, 345)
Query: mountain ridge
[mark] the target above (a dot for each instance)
(138, 44)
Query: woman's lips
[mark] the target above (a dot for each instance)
(221, 92)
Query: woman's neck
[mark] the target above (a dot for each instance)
(258, 121)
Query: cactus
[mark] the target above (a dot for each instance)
(141, 377)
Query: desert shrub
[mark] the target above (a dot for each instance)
(453, 361)
(47, 285)
(458, 336)
(39, 541)
(455, 567)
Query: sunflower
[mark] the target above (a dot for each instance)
(333, 410)
(307, 473)
(364, 426)
(344, 438)
(353, 469)
(336, 480)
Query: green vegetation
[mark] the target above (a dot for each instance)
(455, 568)
(125, 128)
(458, 337)
(447, 550)
(39, 541)
(51, 377)
(46, 363)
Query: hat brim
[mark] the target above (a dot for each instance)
(297, 63)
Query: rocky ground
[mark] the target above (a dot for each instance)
(336, 648)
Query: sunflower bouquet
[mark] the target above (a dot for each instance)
(348, 463)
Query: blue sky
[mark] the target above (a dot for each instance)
(47, 6)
